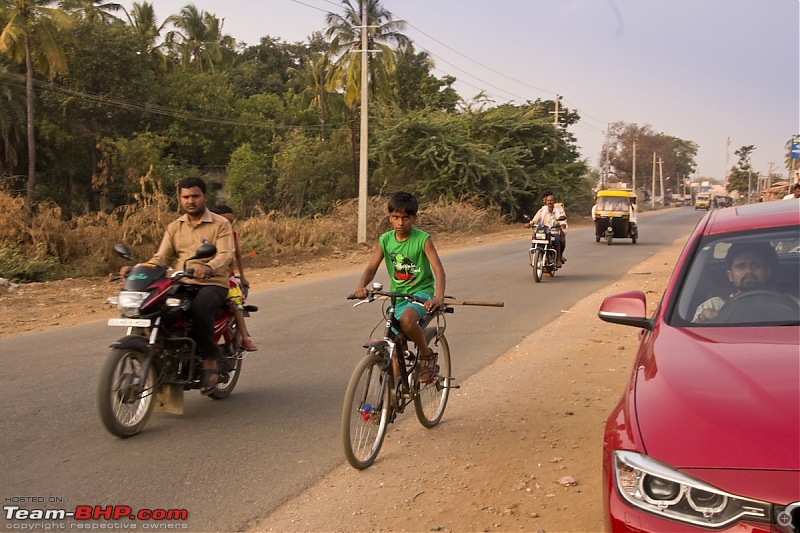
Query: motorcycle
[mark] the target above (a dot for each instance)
(156, 361)
(543, 253)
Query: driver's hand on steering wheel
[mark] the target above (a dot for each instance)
(706, 315)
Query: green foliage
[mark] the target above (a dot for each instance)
(247, 182)
(312, 174)
(17, 268)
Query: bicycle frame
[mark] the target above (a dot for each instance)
(386, 381)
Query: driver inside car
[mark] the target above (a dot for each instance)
(750, 268)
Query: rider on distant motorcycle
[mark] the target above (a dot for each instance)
(549, 215)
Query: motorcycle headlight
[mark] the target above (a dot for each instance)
(129, 303)
(658, 489)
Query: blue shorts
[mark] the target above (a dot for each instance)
(403, 304)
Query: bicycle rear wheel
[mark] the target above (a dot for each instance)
(365, 414)
(431, 399)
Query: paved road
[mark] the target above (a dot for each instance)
(229, 462)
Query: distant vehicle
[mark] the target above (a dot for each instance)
(614, 216)
(703, 201)
(705, 437)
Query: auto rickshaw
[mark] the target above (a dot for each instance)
(615, 216)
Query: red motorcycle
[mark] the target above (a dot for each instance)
(151, 366)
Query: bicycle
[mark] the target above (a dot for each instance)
(385, 382)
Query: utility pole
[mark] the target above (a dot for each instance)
(633, 173)
(727, 158)
(555, 113)
(362, 173)
(661, 180)
(653, 185)
(605, 166)
(749, 184)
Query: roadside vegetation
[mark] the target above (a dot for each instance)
(53, 247)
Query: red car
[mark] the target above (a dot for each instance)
(706, 436)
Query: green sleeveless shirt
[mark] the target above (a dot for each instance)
(408, 266)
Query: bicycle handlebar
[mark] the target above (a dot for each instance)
(450, 299)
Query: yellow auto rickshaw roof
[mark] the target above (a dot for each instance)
(618, 193)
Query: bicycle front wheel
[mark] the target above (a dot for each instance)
(431, 399)
(365, 414)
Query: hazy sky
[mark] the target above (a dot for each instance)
(700, 70)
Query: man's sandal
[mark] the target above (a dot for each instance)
(210, 380)
(427, 367)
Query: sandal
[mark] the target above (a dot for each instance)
(248, 345)
(210, 380)
(427, 368)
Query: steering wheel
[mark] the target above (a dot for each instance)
(759, 306)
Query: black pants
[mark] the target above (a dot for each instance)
(208, 299)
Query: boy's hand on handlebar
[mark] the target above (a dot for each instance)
(433, 304)
(361, 293)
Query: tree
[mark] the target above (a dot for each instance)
(344, 31)
(415, 87)
(198, 39)
(12, 122)
(315, 83)
(740, 176)
(93, 10)
(143, 20)
(31, 37)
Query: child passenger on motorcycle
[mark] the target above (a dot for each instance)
(237, 292)
(549, 215)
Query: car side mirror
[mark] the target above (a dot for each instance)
(627, 308)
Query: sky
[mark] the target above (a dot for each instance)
(701, 70)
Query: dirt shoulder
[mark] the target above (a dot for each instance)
(508, 438)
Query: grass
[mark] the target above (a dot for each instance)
(55, 248)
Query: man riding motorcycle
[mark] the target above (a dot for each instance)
(549, 215)
(197, 226)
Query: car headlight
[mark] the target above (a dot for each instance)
(129, 303)
(656, 488)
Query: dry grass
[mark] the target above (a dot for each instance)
(53, 248)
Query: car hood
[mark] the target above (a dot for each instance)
(721, 397)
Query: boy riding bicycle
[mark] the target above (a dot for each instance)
(414, 268)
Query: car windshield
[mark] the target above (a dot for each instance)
(744, 279)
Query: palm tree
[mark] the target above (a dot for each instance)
(12, 122)
(382, 30)
(94, 10)
(318, 89)
(142, 18)
(198, 38)
(29, 37)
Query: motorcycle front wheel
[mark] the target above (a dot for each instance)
(538, 265)
(124, 411)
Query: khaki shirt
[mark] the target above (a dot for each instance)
(181, 240)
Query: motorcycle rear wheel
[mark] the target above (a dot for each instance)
(234, 359)
(122, 411)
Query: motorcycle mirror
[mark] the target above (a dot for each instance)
(123, 251)
(204, 251)
(562, 217)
